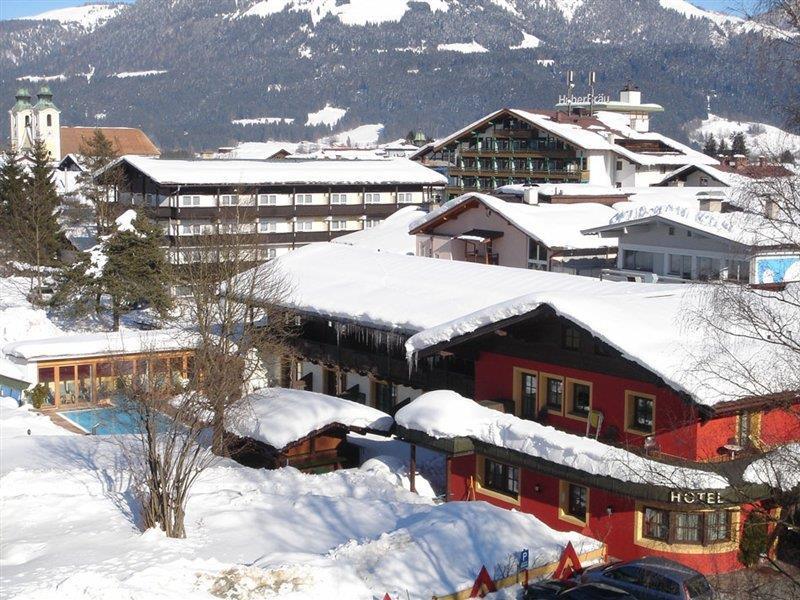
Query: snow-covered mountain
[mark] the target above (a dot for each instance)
(760, 138)
(200, 73)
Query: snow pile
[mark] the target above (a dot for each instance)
(353, 12)
(472, 47)
(124, 222)
(528, 41)
(97, 253)
(555, 225)
(89, 16)
(759, 137)
(363, 136)
(129, 74)
(390, 235)
(396, 470)
(262, 121)
(278, 416)
(329, 116)
(446, 414)
(779, 469)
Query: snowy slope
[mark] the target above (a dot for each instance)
(88, 17)
(353, 12)
(728, 24)
(760, 137)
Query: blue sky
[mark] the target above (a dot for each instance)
(18, 8)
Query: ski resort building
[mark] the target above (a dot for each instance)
(272, 206)
(588, 409)
(482, 228)
(611, 147)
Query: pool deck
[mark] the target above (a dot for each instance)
(62, 422)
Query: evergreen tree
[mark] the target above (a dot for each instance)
(738, 144)
(96, 154)
(787, 157)
(128, 266)
(722, 149)
(710, 147)
(12, 187)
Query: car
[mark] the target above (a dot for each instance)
(547, 590)
(595, 591)
(651, 578)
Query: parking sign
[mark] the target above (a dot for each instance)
(523, 559)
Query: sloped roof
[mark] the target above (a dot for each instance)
(127, 140)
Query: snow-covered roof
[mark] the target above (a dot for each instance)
(561, 189)
(446, 414)
(724, 177)
(391, 235)
(79, 345)
(279, 416)
(284, 172)
(554, 225)
(779, 469)
(738, 227)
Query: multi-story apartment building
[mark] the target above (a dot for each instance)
(273, 206)
(608, 145)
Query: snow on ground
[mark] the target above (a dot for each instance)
(88, 16)
(760, 137)
(259, 150)
(725, 22)
(280, 416)
(38, 78)
(545, 62)
(128, 74)
(446, 414)
(329, 115)
(69, 530)
(472, 47)
(391, 235)
(528, 41)
(354, 12)
(360, 137)
(568, 8)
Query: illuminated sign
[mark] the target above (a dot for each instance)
(696, 497)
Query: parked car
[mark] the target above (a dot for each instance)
(651, 578)
(595, 591)
(555, 589)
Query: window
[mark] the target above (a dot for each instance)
(528, 389)
(554, 393)
(304, 225)
(385, 395)
(636, 260)
(619, 165)
(717, 526)
(641, 412)
(571, 338)
(580, 398)
(267, 226)
(266, 253)
(27, 121)
(190, 201)
(671, 231)
(655, 524)
(338, 198)
(687, 528)
(372, 198)
(707, 268)
(574, 501)
(739, 270)
(500, 477)
(680, 265)
(229, 200)
(338, 225)
(302, 199)
(267, 199)
(194, 228)
(49, 120)
(704, 182)
(370, 223)
(627, 574)
(405, 197)
(537, 255)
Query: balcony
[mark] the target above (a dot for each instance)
(490, 258)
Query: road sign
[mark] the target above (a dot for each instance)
(524, 559)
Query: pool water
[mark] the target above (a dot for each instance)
(109, 420)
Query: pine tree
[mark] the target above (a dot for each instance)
(128, 265)
(787, 157)
(722, 149)
(738, 144)
(96, 154)
(710, 147)
(12, 187)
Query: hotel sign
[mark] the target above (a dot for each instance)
(696, 497)
(587, 99)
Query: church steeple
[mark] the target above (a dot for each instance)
(23, 99)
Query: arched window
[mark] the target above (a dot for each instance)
(49, 120)
(27, 120)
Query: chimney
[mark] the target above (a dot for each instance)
(771, 210)
(530, 195)
(630, 94)
(711, 205)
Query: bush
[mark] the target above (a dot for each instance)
(754, 540)
(37, 395)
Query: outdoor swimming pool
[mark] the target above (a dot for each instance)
(108, 420)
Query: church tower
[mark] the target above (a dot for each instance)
(21, 117)
(47, 123)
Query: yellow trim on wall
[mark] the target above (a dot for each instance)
(480, 469)
(568, 399)
(563, 503)
(543, 378)
(629, 394)
(683, 548)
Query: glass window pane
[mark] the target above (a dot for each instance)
(67, 392)
(85, 383)
(528, 395)
(555, 391)
(580, 398)
(47, 376)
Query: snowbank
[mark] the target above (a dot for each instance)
(391, 235)
(396, 470)
(446, 414)
(280, 416)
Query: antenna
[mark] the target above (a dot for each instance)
(570, 88)
(592, 81)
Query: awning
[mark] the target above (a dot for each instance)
(480, 235)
